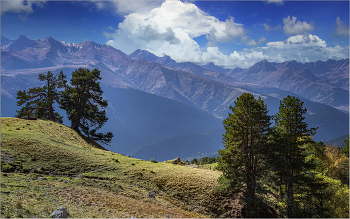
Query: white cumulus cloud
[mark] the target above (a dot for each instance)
(171, 28)
(292, 27)
(22, 7)
(124, 7)
(342, 28)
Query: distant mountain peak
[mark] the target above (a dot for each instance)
(212, 67)
(22, 42)
(22, 36)
(143, 54)
(50, 39)
(263, 65)
(210, 64)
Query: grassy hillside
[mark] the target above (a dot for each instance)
(46, 165)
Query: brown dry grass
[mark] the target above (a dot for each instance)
(90, 200)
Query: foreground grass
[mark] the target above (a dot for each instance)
(49, 165)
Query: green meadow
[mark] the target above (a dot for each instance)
(46, 165)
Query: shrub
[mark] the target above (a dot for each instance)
(194, 161)
(338, 203)
(153, 160)
(6, 167)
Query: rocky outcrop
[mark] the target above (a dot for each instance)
(176, 160)
(60, 212)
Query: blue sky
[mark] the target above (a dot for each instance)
(228, 33)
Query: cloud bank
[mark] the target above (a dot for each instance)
(171, 28)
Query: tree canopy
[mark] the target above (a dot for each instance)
(41, 99)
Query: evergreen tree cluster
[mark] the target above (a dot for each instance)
(259, 161)
(81, 99)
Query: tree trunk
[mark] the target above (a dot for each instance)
(51, 114)
(75, 126)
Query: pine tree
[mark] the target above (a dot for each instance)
(242, 163)
(345, 149)
(292, 172)
(84, 104)
(41, 99)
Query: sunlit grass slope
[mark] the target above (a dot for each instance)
(49, 165)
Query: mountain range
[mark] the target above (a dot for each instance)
(160, 109)
(330, 86)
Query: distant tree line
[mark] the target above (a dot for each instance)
(307, 178)
(81, 99)
(205, 160)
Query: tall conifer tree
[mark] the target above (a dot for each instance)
(84, 104)
(345, 149)
(286, 156)
(242, 163)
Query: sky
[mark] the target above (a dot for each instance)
(229, 33)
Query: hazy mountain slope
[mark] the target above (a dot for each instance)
(5, 41)
(212, 67)
(185, 66)
(21, 43)
(234, 71)
(338, 76)
(316, 68)
(299, 81)
(338, 141)
(137, 119)
(50, 52)
(178, 147)
(335, 72)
